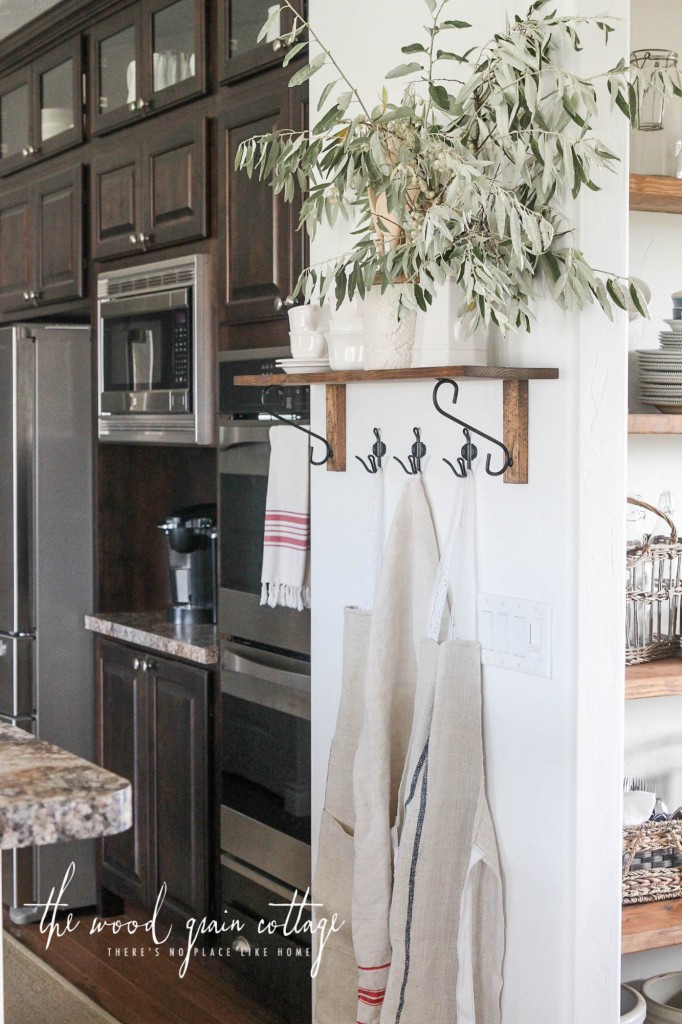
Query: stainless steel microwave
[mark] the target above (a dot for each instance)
(156, 341)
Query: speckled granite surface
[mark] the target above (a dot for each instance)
(49, 796)
(150, 629)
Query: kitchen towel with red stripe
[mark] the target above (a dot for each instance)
(285, 579)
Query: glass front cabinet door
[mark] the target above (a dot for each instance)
(41, 108)
(145, 59)
(240, 22)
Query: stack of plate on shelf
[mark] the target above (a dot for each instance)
(307, 365)
(660, 371)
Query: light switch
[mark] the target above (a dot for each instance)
(515, 634)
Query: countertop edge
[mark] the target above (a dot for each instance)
(174, 646)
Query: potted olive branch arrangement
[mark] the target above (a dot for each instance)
(466, 177)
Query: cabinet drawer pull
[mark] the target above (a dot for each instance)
(133, 239)
(142, 238)
(27, 296)
(148, 665)
(281, 304)
(136, 664)
(142, 104)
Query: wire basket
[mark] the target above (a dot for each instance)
(653, 596)
(652, 861)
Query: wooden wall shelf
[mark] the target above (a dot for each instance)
(651, 926)
(654, 679)
(654, 423)
(514, 401)
(655, 193)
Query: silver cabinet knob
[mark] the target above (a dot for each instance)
(142, 104)
(36, 296)
(30, 151)
(142, 238)
(136, 664)
(148, 665)
(133, 239)
(132, 106)
(281, 304)
(27, 296)
(241, 945)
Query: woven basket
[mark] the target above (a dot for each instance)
(653, 597)
(652, 861)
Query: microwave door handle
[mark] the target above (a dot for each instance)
(232, 662)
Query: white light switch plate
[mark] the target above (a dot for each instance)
(516, 634)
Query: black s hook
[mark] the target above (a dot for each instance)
(469, 451)
(293, 423)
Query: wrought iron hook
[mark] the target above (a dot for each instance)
(418, 452)
(469, 450)
(293, 423)
(378, 452)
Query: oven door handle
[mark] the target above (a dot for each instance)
(232, 662)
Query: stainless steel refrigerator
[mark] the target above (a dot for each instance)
(46, 575)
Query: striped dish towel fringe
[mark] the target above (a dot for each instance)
(285, 578)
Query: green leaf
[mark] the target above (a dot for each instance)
(413, 48)
(441, 97)
(308, 71)
(615, 291)
(274, 15)
(450, 23)
(431, 4)
(325, 92)
(330, 118)
(638, 300)
(293, 52)
(449, 55)
(419, 296)
(404, 69)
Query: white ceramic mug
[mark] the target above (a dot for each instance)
(346, 350)
(308, 344)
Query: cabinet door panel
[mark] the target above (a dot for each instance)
(16, 104)
(239, 22)
(15, 249)
(116, 203)
(115, 51)
(179, 802)
(58, 98)
(174, 41)
(123, 750)
(58, 239)
(262, 247)
(176, 187)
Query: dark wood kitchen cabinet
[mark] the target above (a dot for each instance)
(154, 730)
(41, 108)
(264, 252)
(148, 57)
(41, 242)
(153, 190)
(239, 24)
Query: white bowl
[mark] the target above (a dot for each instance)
(304, 318)
(675, 325)
(308, 344)
(346, 350)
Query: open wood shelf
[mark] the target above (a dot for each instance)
(655, 193)
(654, 423)
(651, 926)
(514, 401)
(654, 679)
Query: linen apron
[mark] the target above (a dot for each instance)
(336, 982)
(447, 917)
(405, 585)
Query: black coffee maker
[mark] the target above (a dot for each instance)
(192, 547)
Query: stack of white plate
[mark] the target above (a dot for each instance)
(303, 365)
(660, 371)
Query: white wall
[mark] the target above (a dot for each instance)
(553, 747)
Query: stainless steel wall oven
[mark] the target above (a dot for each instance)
(265, 701)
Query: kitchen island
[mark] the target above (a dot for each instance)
(48, 795)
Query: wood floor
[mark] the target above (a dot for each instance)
(138, 987)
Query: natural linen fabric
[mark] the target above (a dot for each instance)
(397, 625)
(336, 983)
(285, 577)
(447, 917)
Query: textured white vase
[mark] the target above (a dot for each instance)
(389, 330)
(443, 338)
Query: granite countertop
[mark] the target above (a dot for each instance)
(49, 796)
(150, 629)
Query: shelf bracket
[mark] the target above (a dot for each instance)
(335, 399)
(515, 428)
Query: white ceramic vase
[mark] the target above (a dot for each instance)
(444, 338)
(389, 330)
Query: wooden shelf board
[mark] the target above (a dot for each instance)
(654, 423)
(655, 193)
(651, 926)
(654, 679)
(416, 373)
